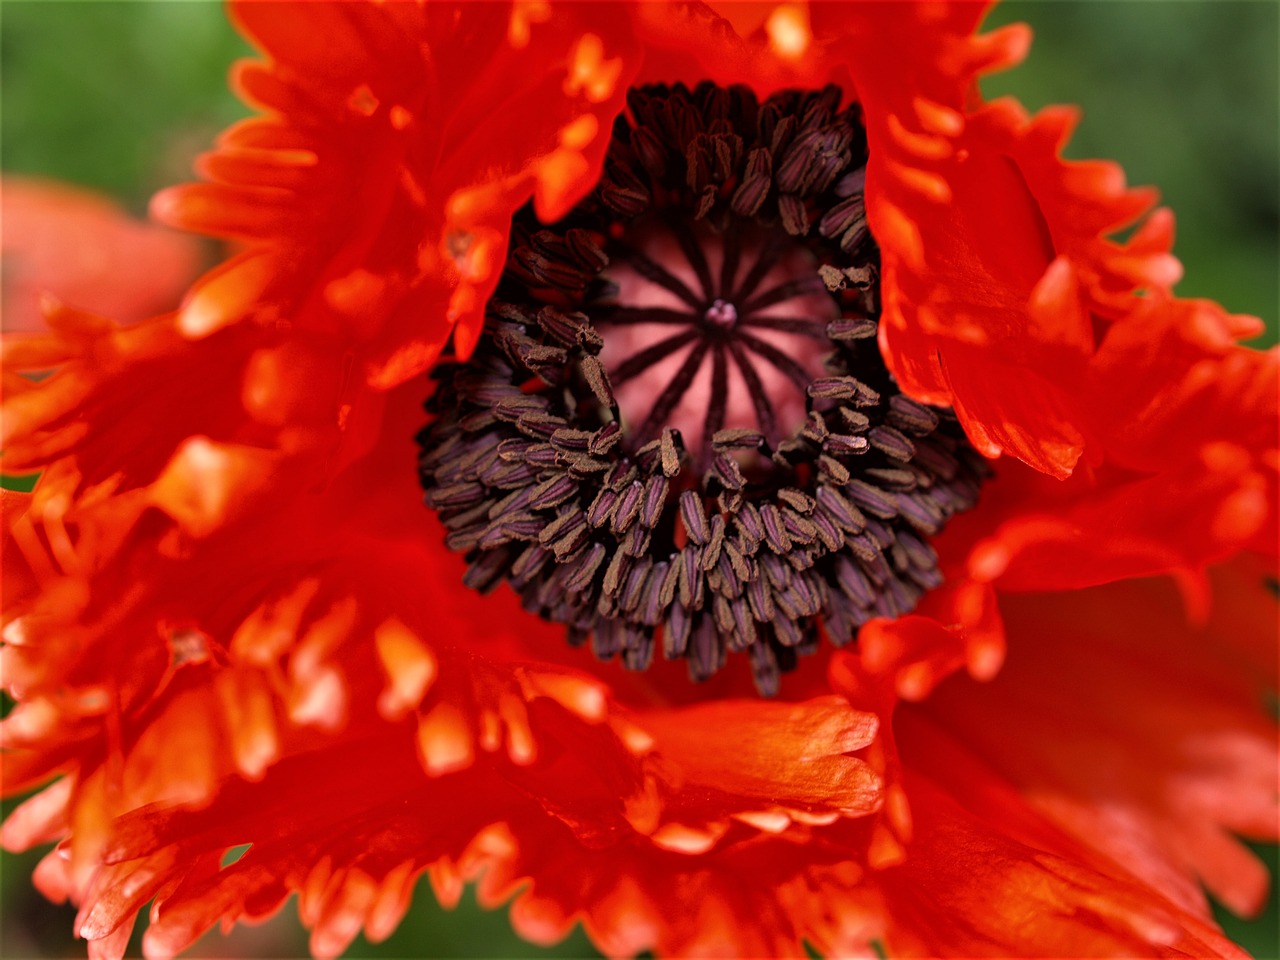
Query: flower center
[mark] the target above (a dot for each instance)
(722, 314)
(708, 332)
(676, 433)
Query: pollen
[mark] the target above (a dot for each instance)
(676, 435)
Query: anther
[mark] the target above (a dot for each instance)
(676, 433)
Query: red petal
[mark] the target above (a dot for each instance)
(1098, 679)
(78, 247)
(445, 124)
(980, 882)
(1187, 422)
(993, 249)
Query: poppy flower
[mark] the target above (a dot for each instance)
(932, 414)
(83, 249)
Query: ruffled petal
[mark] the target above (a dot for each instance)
(768, 764)
(376, 194)
(1023, 794)
(997, 267)
(1066, 721)
(279, 666)
(1186, 418)
(986, 878)
(994, 251)
(629, 789)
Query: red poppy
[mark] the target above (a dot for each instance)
(231, 621)
(81, 248)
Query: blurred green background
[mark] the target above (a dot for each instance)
(1186, 95)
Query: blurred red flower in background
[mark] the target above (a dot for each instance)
(83, 249)
(229, 619)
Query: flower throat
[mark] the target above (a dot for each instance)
(677, 431)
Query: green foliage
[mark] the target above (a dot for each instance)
(114, 95)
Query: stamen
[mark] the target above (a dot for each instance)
(676, 432)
